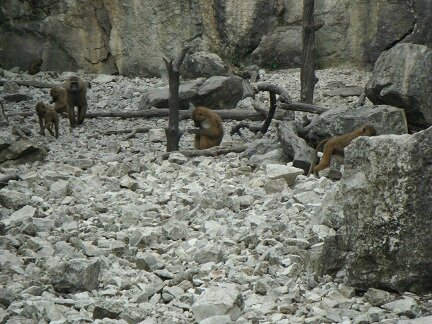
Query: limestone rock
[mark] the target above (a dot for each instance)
(337, 121)
(218, 301)
(401, 78)
(75, 275)
(388, 238)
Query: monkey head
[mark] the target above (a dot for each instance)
(41, 108)
(199, 114)
(368, 130)
(74, 84)
(55, 93)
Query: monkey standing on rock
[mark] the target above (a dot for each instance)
(76, 90)
(210, 130)
(48, 118)
(335, 146)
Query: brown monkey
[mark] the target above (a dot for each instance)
(59, 99)
(48, 118)
(335, 146)
(210, 131)
(35, 66)
(76, 96)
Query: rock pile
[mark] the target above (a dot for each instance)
(106, 231)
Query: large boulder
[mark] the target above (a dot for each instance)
(384, 200)
(202, 64)
(342, 120)
(17, 152)
(218, 92)
(402, 78)
(280, 49)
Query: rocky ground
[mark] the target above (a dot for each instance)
(105, 228)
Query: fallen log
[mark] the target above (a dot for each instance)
(212, 152)
(234, 114)
(300, 106)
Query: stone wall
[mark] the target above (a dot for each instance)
(130, 37)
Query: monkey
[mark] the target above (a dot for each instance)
(210, 130)
(35, 66)
(76, 96)
(335, 146)
(59, 99)
(48, 118)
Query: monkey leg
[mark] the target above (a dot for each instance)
(56, 129)
(197, 142)
(41, 125)
(82, 110)
(71, 114)
(325, 161)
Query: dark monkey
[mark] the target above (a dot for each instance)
(76, 96)
(35, 66)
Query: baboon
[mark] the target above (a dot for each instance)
(59, 99)
(335, 146)
(48, 118)
(210, 131)
(35, 66)
(76, 96)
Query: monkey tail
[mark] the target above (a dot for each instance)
(315, 156)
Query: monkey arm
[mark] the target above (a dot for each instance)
(209, 132)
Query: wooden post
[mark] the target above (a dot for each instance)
(307, 74)
(172, 131)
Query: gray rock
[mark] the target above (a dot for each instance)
(401, 78)
(202, 64)
(14, 199)
(217, 92)
(286, 172)
(148, 261)
(280, 49)
(144, 237)
(20, 152)
(295, 148)
(405, 306)
(377, 297)
(75, 275)
(175, 230)
(218, 301)
(337, 121)
(22, 215)
(376, 241)
(10, 87)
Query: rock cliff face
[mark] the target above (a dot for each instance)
(130, 37)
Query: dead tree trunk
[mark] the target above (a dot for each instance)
(172, 132)
(308, 78)
(273, 91)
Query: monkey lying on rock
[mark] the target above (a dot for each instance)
(335, 146)
(210, 130)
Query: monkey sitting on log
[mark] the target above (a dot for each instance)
(335, 146)
(76, 90)
(48, 118)
(59, 99)
(210, 130)
(35, 66)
